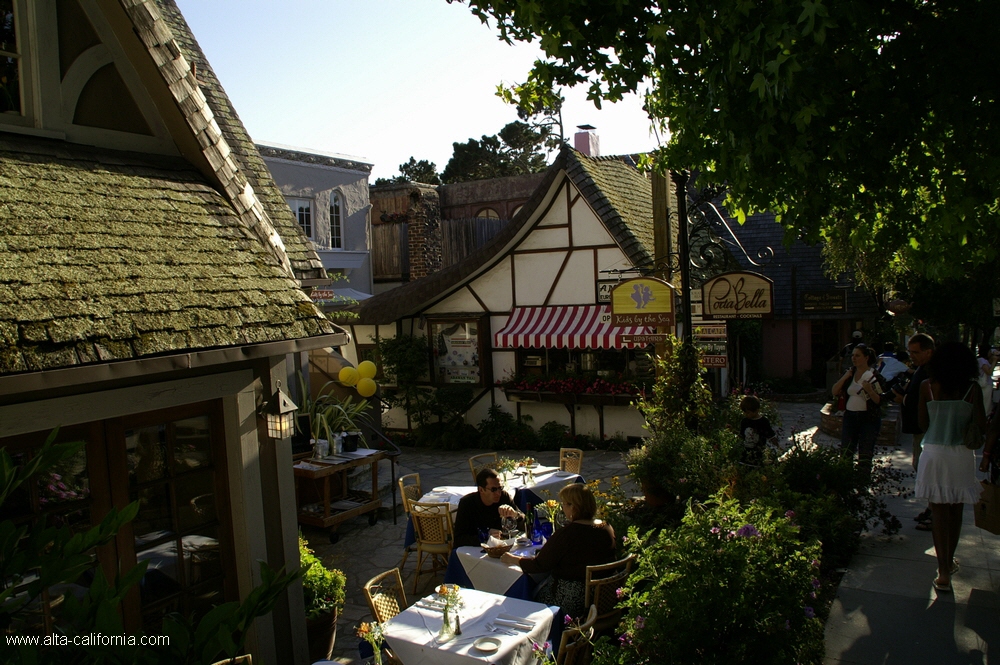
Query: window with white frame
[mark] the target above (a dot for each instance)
(336, 230)
(302, 210)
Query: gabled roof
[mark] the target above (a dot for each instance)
(107, 255)
(619, 194)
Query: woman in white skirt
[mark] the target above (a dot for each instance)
(946, 477)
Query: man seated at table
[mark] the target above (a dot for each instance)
(483, 510)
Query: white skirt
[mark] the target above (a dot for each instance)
(947, 474)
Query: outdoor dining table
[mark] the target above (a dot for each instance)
(545, 483)
(472, 568)
(412, 633)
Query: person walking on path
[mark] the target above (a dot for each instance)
(861, 424)
(946, 478)
(921, 349)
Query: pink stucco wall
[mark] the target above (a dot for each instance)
(777, 336)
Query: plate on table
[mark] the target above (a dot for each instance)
(487, 644)
(523, 541)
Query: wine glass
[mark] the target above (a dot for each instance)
(509, 525)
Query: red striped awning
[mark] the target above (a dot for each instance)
(565, 326)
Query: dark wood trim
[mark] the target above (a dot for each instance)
(575, 199)
(552, 226)
(569, 213)
(597, 275)
(555, 281)
(555, 249)
(513, 280)
(476, 296)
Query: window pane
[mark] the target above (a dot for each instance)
(65, 482)
(10, 63)
(156, 514)
(195, 500)
(336, 241)
(456, 351)
(146, 449)
(192, 444)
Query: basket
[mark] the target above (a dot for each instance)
(498, 551)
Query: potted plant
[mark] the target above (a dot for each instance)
(330, 414)
(323, 589)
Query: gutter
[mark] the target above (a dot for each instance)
(101, 372)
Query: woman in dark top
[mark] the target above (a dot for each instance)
(582, 542)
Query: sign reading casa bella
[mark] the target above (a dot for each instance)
(738, 295)
(642, 301)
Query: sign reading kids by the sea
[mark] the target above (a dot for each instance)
(642, 301)
(738, 295)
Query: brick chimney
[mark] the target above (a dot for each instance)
(586, 141)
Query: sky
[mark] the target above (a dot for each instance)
(381, 80)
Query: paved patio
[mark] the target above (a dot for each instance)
(885, 611)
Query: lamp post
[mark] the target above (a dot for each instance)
(680, 179)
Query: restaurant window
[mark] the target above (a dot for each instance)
(456, 348)
(302, 210)
(604, 363)
(171, 462)
(10, 60)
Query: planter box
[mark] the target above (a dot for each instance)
(831, 423)
(592, 399)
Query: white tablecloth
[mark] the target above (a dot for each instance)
(546, 479)
(448, 494)
(489, 574)
(411, 633)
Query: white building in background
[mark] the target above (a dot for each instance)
(328, 195)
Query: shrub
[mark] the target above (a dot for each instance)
(500, 430)
(449, 436)
(729, 585)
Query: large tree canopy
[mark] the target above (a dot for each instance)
(873, 118)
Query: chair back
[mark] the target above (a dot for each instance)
(479, 462)
(432, 523)
(602, 584)
(570, 459)
(577, 643)
(409, 489)
(385, 595)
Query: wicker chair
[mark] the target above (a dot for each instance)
(409, 489)
(386, 598)
(575, 647)
(238, 660)
(602, 582)
(479, 462)
(570, 459)
(432, 522)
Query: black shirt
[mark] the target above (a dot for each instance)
(474, 515)
(754, 434)
(911, 400)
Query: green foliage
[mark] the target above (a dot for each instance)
(423, 171)
(539, 105)
(798, 108)
(731, 584)
(448, 436)
(405, 360)
(514, 150)
(728, 414)
(500, 430)
(680, 395)
(324, 588)
(330, 414)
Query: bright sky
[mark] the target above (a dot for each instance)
(380, 79)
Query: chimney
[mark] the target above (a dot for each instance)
(586, 141)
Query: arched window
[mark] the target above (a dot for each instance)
(489, 213)
(336, 231)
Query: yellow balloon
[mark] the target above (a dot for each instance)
(367, 369)
(348, 376)
(366, 387)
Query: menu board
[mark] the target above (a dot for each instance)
(456, 351)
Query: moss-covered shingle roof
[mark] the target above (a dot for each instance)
(107, 255)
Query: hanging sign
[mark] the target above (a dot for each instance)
(642, 301)
(738, 295)
(652, 338)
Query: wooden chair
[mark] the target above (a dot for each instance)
(385, 595)
(570, 459)
(602, 582)
(479, 462)
(577, 643)
(409, 489)
(432, 523)
(238, 660)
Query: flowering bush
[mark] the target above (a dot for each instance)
(729, 585)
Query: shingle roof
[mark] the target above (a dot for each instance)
(108, 255)
(621, 196)
(301, 253)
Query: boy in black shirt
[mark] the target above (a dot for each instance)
(755, 432)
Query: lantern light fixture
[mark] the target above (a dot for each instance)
(279, 414)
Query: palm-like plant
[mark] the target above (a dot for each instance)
(329, 414)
